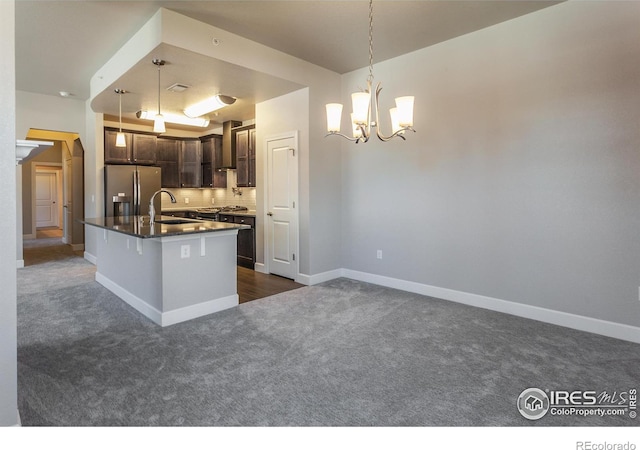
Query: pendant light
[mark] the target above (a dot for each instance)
(366, 110)
(120, 139)
(158, 122)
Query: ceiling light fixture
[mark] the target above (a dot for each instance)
(120, 140)
(158, 122)
(209, 105)
(175, 118)
(365, 109)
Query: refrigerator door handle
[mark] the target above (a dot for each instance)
(136, 193)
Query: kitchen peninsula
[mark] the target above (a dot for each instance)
(172, 271)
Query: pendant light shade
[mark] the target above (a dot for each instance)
(120, 139)
(158, 123)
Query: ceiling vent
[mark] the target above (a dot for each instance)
(177, 87)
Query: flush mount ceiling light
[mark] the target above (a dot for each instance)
(158, 122)
(365, 109)
(120, 140)
(209, 105)
(175, 118)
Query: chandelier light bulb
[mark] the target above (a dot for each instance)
(334, 117)
(360, 101)
(405, 111)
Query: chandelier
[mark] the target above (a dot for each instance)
(365, 115)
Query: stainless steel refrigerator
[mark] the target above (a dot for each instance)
(128, 189)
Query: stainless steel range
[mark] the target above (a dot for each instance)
(212, 213)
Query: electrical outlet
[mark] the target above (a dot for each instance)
(185, 251)
(379, 254)
(186, 200)
(213, 201)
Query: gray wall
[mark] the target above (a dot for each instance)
(8, 232)
(521, 182)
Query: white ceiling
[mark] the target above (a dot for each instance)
(60, 45)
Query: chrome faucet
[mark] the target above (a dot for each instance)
(152, 210)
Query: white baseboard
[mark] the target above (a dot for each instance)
(19, 421)
(132, 300)
(20, 263)
(28, 236)
(259, 267)
(91, 258)
(199, 310)
(582, 323)
(169, 317)
(310, 280)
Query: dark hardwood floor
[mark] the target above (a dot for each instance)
(253, 285)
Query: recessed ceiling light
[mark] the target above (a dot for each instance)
(65, 94)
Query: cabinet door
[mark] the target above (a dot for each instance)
(168, 158)
(207, 150)
(225, 218)
(113, 154)
(219, 179)
(242, 158)
(190, 164)
(207, 175)
(144, 149)
(252, 158)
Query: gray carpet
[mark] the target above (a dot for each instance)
(343, 353)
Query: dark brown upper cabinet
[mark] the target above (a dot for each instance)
(245, 140)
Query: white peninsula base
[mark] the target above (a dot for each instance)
(170, 279)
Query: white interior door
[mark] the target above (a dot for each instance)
(282, 214)
(46, 200)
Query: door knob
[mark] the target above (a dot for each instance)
(269, 214)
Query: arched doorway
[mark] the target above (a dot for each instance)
(66, 156)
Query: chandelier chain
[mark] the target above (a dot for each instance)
(370, 78)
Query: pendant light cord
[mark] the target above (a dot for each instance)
(370, 78)
(158, 88)
(120, 110)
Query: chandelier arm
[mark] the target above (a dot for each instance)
(336, 133)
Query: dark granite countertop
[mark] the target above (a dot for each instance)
(138, 226)
(247, 213)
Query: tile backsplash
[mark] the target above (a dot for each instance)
(202, 198)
